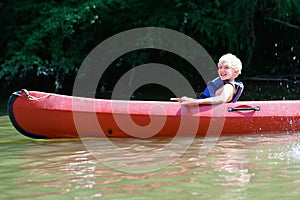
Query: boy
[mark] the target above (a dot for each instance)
(223, 89)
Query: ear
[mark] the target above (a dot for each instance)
(236, 72)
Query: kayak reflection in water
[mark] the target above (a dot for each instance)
(223, 89)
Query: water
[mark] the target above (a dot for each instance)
(246, 167)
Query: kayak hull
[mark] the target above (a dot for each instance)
(46, 115)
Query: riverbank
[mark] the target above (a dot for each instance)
(256, 88)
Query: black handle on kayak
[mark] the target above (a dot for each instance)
(244, 109)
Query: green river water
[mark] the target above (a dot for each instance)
(241, 167)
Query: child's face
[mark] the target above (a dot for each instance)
(226, 72)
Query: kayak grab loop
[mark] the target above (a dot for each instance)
(24, 93)
(21, 92)
(244, 109)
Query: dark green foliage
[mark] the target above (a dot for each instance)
(52, 38)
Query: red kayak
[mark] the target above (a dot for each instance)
(47, 115)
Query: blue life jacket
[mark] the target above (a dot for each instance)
(217, 83)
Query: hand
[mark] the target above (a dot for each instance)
(176, 99)
(186, 101)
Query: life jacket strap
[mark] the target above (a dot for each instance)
(215, 84)
(240, 88)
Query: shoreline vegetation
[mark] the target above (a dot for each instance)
(256, 88)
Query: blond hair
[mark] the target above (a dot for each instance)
(232, 61)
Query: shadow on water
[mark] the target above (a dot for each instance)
(256, 89)
(271, 89)
(3, 107)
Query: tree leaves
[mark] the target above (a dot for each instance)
(53, 37)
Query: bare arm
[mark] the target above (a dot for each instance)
(225, 96)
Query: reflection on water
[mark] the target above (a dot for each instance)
(247, 167)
